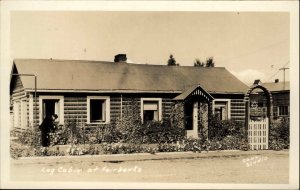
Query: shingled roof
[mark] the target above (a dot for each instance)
(277, 86)
(122, 77)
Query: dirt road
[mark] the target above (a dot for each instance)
(266, 167)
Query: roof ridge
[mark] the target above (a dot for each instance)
(75, 74)
(111, 62)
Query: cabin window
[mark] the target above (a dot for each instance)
(283, 110)
(221, 108)
(151, 109)
(50, 105)
(20, 114)
(98, 109)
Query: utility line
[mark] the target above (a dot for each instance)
(278, 71)
(256, 50)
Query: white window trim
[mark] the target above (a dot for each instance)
(159, 107)
(17, 113)
(107, 108)
(30, 104)
(24, 120)
(223, 100)
(61, 107)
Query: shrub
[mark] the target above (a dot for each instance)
(276, 144)
(159, 132)
(31, 137)
(75, 150)
(192, 144)
(17, 151)
(92, 150)
(128, 126)
(131, 129)
(120, 148)
(279, 134)
(70, 133)
(222, 128)
(166, 147)
(228, 143)
(45, 151)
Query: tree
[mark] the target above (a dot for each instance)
(198, 63)
(210, 62)
(172, 61)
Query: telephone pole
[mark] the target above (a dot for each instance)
(284, 68)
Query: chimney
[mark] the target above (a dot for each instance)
(120, 58)
(276, 80)
(257, 82)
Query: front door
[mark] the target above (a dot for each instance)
(50, 107)
(191, 119)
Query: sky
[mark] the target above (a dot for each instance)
(251, 45)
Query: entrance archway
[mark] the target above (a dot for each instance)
(196, 111)
(259, 116)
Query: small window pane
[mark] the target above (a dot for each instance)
(50, 107)
(97, 110)
(283, 110)
(150, 111)
(221, 110)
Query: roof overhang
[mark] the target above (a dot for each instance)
(194, 91)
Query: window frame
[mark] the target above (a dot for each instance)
(278, 111)
(17, 115)
(228, 103)
(159, 100)
(107, 108)
(24, 119)
(61, 107)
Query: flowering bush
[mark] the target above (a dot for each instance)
(222, 128)
(160, 132)
(75, 150)
(228, 143)
(30, 137)
(45, 151)
(92, 150)
(280, 134)
(130, 128)
(17, 151)
(120, 148)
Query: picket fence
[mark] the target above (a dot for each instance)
(258, 134)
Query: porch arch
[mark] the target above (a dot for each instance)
(197, 106)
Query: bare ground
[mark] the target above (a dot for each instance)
(260, 167)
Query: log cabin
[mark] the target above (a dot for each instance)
(98, 91)
(281, 98)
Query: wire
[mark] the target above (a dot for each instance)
(256, 50)
(278, 71)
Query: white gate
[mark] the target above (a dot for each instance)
(258, 134)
